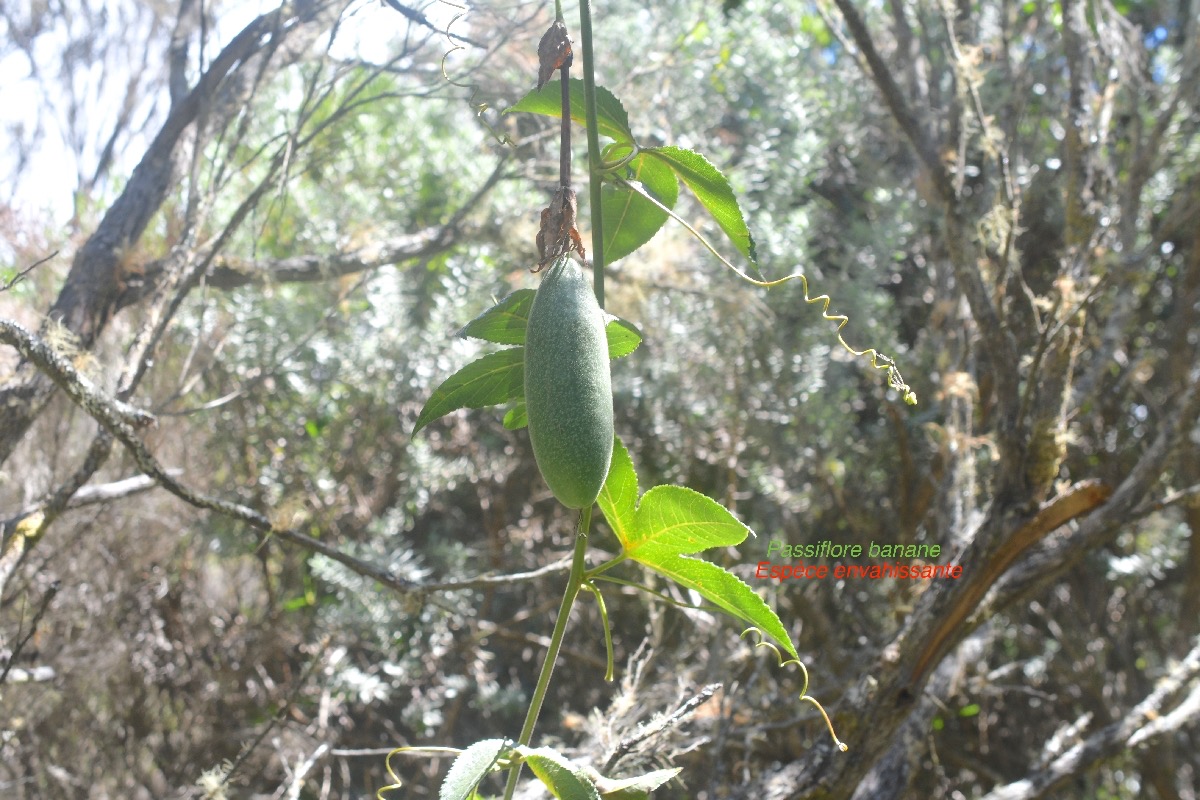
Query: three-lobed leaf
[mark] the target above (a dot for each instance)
(489, 380)
(635, 788)
(516, 417)
(671, 523)
(619, 494)
(622, 336)
(683, 521)
(631, 220)
(503, 323)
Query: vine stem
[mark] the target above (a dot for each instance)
(595, 167)
(574, 582)
(578, 560)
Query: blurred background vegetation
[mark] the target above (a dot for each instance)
(272, 251)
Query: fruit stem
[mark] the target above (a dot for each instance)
(595, 167)
(574, 582)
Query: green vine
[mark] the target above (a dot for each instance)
(664, 528)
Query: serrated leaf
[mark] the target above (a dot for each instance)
(516, 417)
(503, 323)
(684, 521)
(611, 119)
(623, 337)
(713, 191)
(618, 495)
(470, 767)
(633, 788)
(565, 780)
(630, 220)
(672, 522)
(487, 381)
(721, 588)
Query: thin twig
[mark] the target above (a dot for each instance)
(20, 275)
(279, 715)
(47, 598)
(677, 716)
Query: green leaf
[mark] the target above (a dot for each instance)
(815, 27)
(611, 119)
(499, 377)
(683, 521)
(631, 220)
(487, 381)
(971, 710)
(472, 766)
(714, 193)
(618, 495)
(564, 780)
(516, 417)
(672, 522)
(503, 323)
(723, 589)
(297, 603)
(623, 337)
(636, 788)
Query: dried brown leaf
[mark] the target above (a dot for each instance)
(554, 52)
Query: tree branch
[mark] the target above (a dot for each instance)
(21, 275)
(1041, 565)
(93, 288)
(419, 18)
(116, 417)
(1077, 501)
(1002, 360)
(63, 372)
(1144, 722)
(893, 96)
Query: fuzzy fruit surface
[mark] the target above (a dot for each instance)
(568, 387)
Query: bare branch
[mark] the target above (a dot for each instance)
(230, 273)
(1076, 163)
(63, 372)
(959, 239)
(114, 490)
(24, 638)
(498, 580)
(94, 287)
(419, 18)
(921, 140)
(678, 715)
(21, 275)
(1144, 722)
(1074, 503)
(117, 418)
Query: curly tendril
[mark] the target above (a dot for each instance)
(479, 107)
(397, 783)
(804, 695)
(878, 359)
